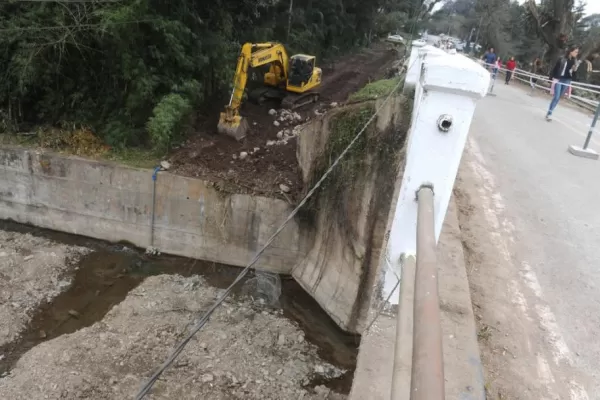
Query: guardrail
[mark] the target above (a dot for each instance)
(590, 105)
(526, 77)
(447, 87)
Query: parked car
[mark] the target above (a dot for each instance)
(395, 39)
(419, 42)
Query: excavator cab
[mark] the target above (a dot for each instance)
(302, 72)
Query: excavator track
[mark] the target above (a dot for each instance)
(294, 101)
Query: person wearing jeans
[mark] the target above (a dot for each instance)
(563, 72)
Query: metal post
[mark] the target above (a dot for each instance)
(491, 90)
(404, 332)
(156, 169)
(591, 131)
(427, 380)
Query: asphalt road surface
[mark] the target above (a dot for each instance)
(530, 214)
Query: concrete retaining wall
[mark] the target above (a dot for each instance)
(114, 203)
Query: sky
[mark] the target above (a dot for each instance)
(592, 7)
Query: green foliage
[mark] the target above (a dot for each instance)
(167, 120)
(132, 70)
(375, 90)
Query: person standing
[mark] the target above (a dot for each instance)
(536, 67)
(497, 66)
(511, 65)
(563, 73)
(489, 58)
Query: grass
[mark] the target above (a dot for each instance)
(83, 144)
(375, 90)
(134, 157)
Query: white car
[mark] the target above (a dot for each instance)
(395, 39)
(419, 42)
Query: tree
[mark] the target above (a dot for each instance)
(135, 71)
(554, 21)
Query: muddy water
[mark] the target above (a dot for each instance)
(106, 275)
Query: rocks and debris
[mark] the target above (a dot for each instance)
(233, 357)
(276, 123)
(24, 286)
(272, 112)
(334, 104)
(243, 155)
(165, 165)
(152, 251)
(284, 188)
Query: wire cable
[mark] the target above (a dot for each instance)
(148, 385)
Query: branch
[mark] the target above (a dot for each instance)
(427, 9)
(539, 25)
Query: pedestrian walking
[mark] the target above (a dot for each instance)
(489, 58)
(511, 65)
(536, 67)
(563, 73)
(497, 66)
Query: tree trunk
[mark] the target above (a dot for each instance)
(554, 26)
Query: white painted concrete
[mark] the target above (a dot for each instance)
(448, 88)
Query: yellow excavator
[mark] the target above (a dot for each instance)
(289, 79)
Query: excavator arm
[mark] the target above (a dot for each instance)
(252, 55)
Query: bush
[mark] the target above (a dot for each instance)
(168, 121)
(375, 90)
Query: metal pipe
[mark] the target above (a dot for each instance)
(491, 89)
(404, 332)
(154, 174)
(427, 380)
(591, 131)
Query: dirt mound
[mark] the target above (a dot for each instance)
(265, 167)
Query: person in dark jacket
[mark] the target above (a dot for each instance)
(489, 58)
(562, 74)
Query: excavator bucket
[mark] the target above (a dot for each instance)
(233, 125)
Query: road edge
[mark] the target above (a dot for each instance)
(462, 360)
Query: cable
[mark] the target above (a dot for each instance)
(148, 385)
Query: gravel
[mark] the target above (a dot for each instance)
(33, 271)
(244, 352)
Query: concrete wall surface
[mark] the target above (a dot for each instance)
(114, 203)
(351, 213)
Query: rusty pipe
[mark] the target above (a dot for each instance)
(427, 378)
(404, 332)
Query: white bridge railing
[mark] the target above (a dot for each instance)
(447, 88)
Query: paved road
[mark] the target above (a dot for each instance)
(540, 209)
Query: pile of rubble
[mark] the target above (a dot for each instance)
(290, 121)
